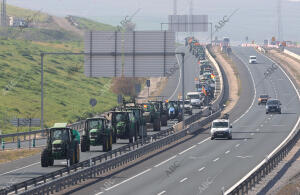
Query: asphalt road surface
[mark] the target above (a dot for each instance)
(294, 50)
(27, 168)
(204, 166)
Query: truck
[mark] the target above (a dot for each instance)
(62, 143)
(97, 131)
(195, 98)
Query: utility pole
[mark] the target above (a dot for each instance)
(3, 13)
(191, 17)
(279, 21)
(175, 13)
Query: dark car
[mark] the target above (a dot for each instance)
(273, 105)
(263, 99)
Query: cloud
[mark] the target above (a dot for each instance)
(294, 0)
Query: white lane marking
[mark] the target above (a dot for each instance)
(204, 141)
(244, 156)
(237, 145)
(165, 161)
(161, 192)
(128, 179)
(178, 79)
(254, 87)
(201, 169)
(252, 134)
(245, 139)
(216, 159)
(99, 193)
(227, 151)
(269, 118)
(280, 145)
(261, 125)
(187, 149)
(20, 168)
(257, 129)
(183, 180)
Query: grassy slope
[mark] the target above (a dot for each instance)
(24, 13)
(88, 24)
(67, 92)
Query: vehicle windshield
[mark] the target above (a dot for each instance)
(94, 124)
(273, 102)
(220, 125)
(193, 96)
(264, 96)
(253, 58)
(59, 134)
(186, 102)
(120, 117)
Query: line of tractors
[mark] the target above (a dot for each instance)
(128, 121)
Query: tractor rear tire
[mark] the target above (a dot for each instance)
(114, 138)
(105, 144)
(164, 120)
(45, 158)
(110, 142)
(156, 125)
(77, 159)
(85, 144)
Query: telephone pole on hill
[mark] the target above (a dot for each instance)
(3, 13)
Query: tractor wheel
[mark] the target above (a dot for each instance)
(136, 133)
(51, 161)
(156, 125)
(85, 144)
(114, 138)
(45, 161)
(105, 144)
(164, 120)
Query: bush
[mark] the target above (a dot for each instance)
(125, 86)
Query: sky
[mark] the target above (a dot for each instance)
(256, 19)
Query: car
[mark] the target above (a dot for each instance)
(263, 99)
(273, 106)
(221, 128)
(252, 60)
(188, 108)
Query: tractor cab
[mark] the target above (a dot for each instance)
(62, 143)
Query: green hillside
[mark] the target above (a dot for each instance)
(67, 90)
(87, 24)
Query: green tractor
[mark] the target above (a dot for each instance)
(62, 143)
(162, 107)
(138, 114)
(124, 125)
(97, 131)
(152, 115)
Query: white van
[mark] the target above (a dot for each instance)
(195, 98)
(252, 60)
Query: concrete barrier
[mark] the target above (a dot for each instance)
(292, 54)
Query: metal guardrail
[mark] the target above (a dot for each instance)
(264, 169)
(63, 182)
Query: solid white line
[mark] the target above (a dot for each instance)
(165, 161)
(129, 179)
(216, 159)
(183, 180)
(280, 145)
(161, 192)
(254, 87)
(227, 151)
(20, 168)
(187, 149)
(201, 169)
(204, 141)
(178, 79)
(99, 193)
(237, 145)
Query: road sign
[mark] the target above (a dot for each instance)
(129, 54)
(188, 23)
(120, 99)
(93, 102)
(148, 83)
(22, 122)
(138, 88)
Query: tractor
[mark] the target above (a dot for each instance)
(97, 131)
(62, 143)
(161, 106)
(152, 115)
(124, 125)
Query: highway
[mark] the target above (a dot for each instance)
(27, 168)
(294, 50)
(204, 166)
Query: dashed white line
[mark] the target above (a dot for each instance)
(183, 180)
(227, 151)
(128, 179)
(187, 149)
(165, 161)
(252, 134)
(99, 193)
(261, 125)
(201, 169)
(204, 141)
(237, 145)
(257, 129)
(216, 159)
(20, 168)
(245, 139)
(161, 192)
